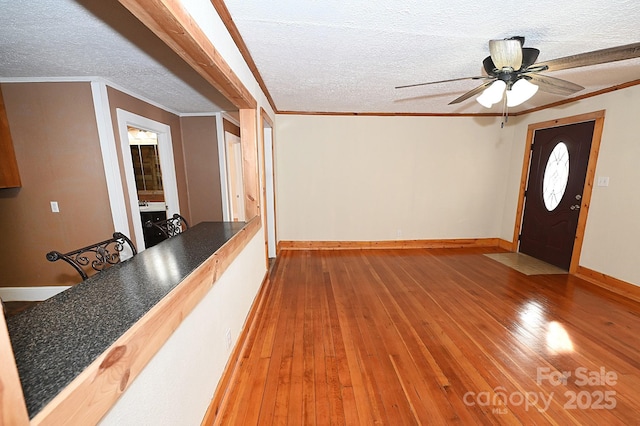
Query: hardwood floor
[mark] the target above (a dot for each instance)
(448, 336)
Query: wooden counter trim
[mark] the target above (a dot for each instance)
(13, 410)
(90, 395)
(401, 244)
(623, 288)
(249, 146)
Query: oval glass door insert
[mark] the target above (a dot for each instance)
(556, 176)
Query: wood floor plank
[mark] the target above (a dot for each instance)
(351, 339)
(378, 335)
(277, 347)
(295, 413)
(433, 336)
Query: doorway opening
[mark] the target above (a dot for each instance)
(234, 176)
(231, 168)
(147, 169)
(557, 179)
(269, 212)
(147, 155)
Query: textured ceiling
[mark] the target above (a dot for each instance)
(347, 56)
(321, 56)
(45, 39)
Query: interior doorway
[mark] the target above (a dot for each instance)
(231, 167)
(557, 178)
(149, 167)
(269, 187)
(234, 177)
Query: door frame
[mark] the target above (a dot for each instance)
(235, 181)
(268, 186)
(167, 164)
(598, 117)
(222, 162)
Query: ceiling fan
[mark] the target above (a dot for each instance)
(512, 68)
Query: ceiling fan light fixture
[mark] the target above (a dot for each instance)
(521, 91)
(529, 56)
(506, 53)
(492, 94)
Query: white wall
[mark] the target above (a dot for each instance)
(177, 385)
(354, 178)
(613, 225)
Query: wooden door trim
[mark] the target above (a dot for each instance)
(598, 117)
(250, 174)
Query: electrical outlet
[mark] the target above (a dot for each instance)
(603, 181)
(227, 338)
(398, 232)
(54, 207)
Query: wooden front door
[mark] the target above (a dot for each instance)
(557, 173)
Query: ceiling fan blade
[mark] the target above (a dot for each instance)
(480, 77)
(553, 85)
(506, 53)
(473, 92)
(612, 54)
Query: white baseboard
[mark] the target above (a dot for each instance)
(13, 294)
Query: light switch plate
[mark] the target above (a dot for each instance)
(603, 181)
(54, 207)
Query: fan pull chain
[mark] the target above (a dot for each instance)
(505, 112)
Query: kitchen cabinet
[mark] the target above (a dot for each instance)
(152, 235)
(9, 175)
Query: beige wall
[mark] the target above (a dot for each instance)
(390, 178)
(613, 230)
(200, 142)
(58, 152)
(55, 135)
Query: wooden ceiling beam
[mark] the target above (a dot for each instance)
(173, 25)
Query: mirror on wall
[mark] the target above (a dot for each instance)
(146, 164)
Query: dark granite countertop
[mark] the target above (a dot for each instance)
(57, 339)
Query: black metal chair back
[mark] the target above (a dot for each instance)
(96, 257)
(169, 227)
